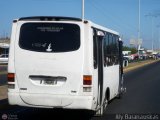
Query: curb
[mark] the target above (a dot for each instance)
(3, 90)
(3, 72)
(138, 66)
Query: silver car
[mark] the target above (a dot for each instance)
(4, 58)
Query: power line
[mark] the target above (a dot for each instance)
(152, 15)
(117, 22)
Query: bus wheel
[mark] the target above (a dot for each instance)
(122, 89)
(101, 110)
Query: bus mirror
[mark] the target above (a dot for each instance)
(120, 42)
(100, 33)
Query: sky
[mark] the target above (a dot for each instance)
(118, 15)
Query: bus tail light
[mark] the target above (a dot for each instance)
(11, 77)
(87, 80)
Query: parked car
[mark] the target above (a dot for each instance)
(158, 55)
(125, 61)
(128, 57)
(134, 56)
(4, 58)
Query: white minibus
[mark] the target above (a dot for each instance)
(64, 62)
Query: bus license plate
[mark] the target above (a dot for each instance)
(50, 82)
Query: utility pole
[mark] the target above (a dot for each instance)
(158, 26)
(82, 10)
(152, 35)
(139, 26)
(139, 21)
(152, 16)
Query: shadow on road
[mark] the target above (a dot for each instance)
(26, 113)
(57, 114)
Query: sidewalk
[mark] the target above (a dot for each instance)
(3, 92)
(139, 64)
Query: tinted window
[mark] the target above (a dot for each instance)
(95, 47)
(111, 49)
(106, 49)
(4, 56)
(49, 37)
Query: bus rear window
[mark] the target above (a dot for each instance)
(49, 37)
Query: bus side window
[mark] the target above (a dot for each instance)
(105, 48)
(117, 50)
(110, 46)
(114, 55)
(95, 49)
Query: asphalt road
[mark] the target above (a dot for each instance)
(3, 77)
(3, 67)
(142, 99)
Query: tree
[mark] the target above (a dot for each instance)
(132, 49)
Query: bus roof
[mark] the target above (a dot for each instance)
(94, 25)
(49, 18)
(60, 18)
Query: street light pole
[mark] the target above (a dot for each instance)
(82, 10)
(152, 18)
(139, 24)
(152, 35)
(139, 21)
(158, 26)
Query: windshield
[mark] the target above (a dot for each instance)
(49, 37)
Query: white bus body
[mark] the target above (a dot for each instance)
(60, 62)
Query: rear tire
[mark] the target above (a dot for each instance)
(121, 88)
(101, 111)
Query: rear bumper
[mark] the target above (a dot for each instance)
(51, 101)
